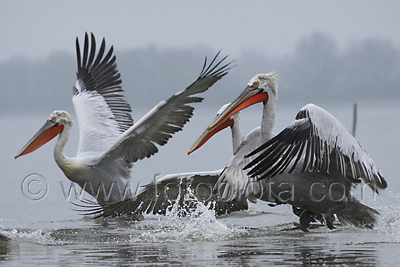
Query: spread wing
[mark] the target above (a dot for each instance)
(165, 119)
(102, 111)
(318, 141)
(182, 192)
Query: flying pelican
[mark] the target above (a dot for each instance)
(170, 190)
(250, 188)
(109, 141)
(325, 160)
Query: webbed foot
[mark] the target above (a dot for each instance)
(306, 217)
(329, 215)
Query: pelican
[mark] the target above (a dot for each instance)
(109, 141)
(163, 193)
(312, 164)
(234, 172)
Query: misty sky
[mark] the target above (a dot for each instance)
(36, 28)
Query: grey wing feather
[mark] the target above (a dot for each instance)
(165, 119)
(184, 191)
(99, 74)
(319, 142)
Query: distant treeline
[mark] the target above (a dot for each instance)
(317, 70)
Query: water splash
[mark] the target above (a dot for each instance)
(389, 223)
(41, 237)
(200, 224)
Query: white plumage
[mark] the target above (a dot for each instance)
(315, 149)
(109, 141)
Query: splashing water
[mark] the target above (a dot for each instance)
(39, 236)
(389, 223)
(199, 225)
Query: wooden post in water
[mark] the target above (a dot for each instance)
(353, 132)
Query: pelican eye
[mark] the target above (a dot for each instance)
(256, 84)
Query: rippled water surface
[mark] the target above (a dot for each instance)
(48, 232)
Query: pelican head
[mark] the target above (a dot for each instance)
(54, 125)
(261, 88)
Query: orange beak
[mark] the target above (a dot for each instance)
(48, 131)
(208, 134)
(250, 96)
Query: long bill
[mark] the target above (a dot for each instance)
(48, 131)
(203, 138)
(248, 97)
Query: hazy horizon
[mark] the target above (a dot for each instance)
(318, 70)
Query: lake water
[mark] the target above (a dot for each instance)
(45, 230)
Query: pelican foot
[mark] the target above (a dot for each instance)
(329, 215)
(306, 217)
(329, 221)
